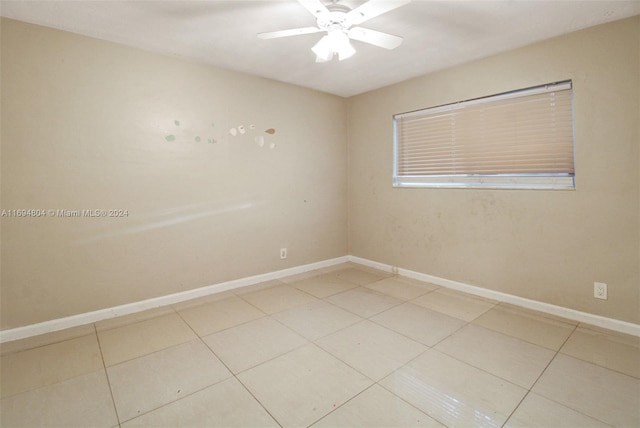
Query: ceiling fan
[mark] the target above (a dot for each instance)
(341, 24)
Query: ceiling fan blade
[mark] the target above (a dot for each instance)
(316, 7)
(376, 38)
(373, 8)
(287, 33)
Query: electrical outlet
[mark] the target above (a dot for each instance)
(283, 253)
(600, 290)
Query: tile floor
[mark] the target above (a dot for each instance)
(341, 347)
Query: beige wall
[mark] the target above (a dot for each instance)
(544, 245)
(84, 124)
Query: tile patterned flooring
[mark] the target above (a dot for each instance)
(340, 347)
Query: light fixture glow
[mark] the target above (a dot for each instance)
(335, 42)
(341, 45)
(323, 50)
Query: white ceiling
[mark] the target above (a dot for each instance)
(437, 34)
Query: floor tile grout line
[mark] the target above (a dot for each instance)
(480, 369)
(307, 342)
(264, 314)
(463, 362)
(376, 382)
(274, 358)
(467, 323)
(401, 298)
(302, 291)
(592, 362)
(235, 375)
(528, 389)
(55, 342)
(260, 286)
(343, 404)
(168, 311)
(362, 316)
(323, 297)
(202, 300)
(106, 374)
(588, 362)
(289, 328)
(201, 338)
(360, 319)
(314, 341)
(293, 350)
(227, 328)
(510, 307)
(542, 372)
(177, 399)
(401, 398)
(66, 379)
(258, 401)
(315, 297)
(173, 345)
(601, 366)
(255, 306)
(373, 322)
(345, 362)
(474, 322)
(493, 305)
(432, 347)
(408, 337)
(357, 285)
(485, 370)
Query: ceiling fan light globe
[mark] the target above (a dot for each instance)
(323, 49)
(341, 45)
(345, 50)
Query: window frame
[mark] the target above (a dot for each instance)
(544, 181)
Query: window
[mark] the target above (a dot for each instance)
(518, 139)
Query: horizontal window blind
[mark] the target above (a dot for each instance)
(526, 135)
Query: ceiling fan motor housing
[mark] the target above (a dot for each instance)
(335, 19)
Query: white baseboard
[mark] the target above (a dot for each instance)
(572, 314)
(130, 308)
